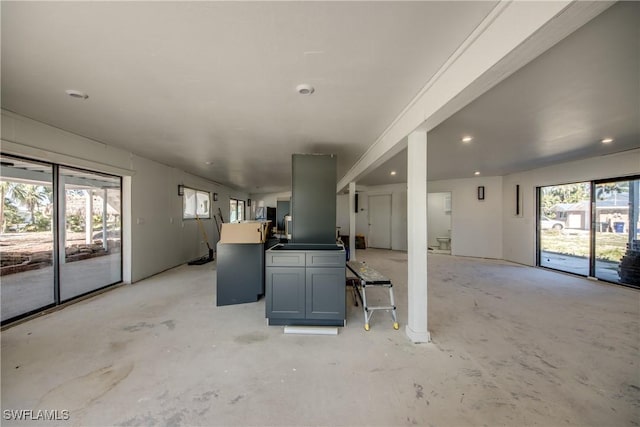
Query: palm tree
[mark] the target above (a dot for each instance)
(31, 196)
(8, 191)
(5, 190)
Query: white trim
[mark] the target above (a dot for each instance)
(35, 153)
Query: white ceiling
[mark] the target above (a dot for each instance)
(191, 83)
(186, 83)
(556, 109)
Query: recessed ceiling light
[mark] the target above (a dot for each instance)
(607, 140)
(76, 94)
(476, 173)
(393, 173)
(208, 162)
(467, 139)
(305, 89)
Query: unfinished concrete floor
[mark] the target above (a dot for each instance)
(512, 346)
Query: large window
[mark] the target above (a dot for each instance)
(591, 229)
(236, 210)
(196, 203)
(60, 234)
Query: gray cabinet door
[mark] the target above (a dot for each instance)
(285, 292)
(325, 293)
(240, 273)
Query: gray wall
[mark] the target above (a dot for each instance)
(313, 198)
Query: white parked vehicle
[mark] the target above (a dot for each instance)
(547, 224)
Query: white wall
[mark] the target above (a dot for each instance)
(489, 228)
(342, 213)
(161, 239)
(398, 194)
(476, 225)
(519, 233)
(438, 217)
(155, 237)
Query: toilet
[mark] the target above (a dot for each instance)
(443, 243)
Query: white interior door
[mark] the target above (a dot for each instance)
(380, 221)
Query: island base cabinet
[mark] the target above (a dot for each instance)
(305, 287)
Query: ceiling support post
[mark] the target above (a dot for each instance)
(416, 328)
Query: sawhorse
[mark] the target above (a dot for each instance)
(367, 277)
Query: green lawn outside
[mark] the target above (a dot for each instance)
(609, 246)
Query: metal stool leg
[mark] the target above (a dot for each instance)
(365, 308)
(393, 310)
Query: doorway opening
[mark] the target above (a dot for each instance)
(439, 222)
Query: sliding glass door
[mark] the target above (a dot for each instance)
(26, 237)
(564, 227)
(60, 234)
(591, 229)
(91, 256)
(617, 251)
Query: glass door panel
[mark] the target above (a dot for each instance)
(564, 223)
(617, 249)
(241, 210)
(90, 254)
(233, 210)
(26, 237)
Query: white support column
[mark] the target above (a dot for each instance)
(352, 221)
(416, 328)
(104, 219)
(88, 216)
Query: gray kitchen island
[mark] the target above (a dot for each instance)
(305, 284)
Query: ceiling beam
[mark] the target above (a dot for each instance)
(513, 34)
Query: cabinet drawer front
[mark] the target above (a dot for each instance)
(326, 259)
(285, 259)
